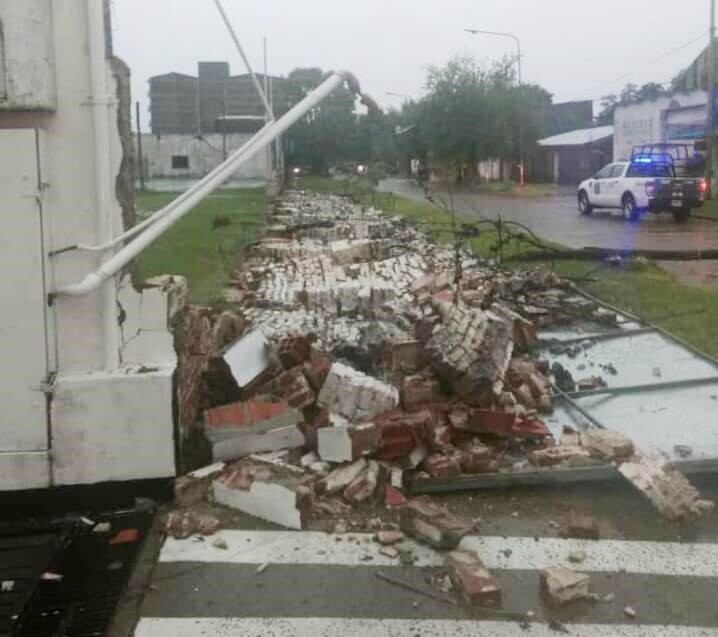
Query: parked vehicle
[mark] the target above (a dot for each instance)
(647, 182)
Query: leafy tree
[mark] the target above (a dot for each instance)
(631, 94)
(472, 113)
(323, 136)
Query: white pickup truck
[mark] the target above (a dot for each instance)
(647, 182)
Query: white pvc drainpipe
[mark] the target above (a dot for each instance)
(99, 100)
(168, 216)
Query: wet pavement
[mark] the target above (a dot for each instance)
(556, 218)
(270, 581)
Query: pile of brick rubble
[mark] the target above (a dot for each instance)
(361, 355)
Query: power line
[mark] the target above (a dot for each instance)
(663, 55)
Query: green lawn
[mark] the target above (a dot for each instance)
(689, 312)
(195, 248)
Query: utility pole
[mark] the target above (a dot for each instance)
(140, 158)
(711, 88)
(270, 110)
(224, 123)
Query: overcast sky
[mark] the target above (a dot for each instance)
(576, 49)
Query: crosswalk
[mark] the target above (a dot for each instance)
(283, 583)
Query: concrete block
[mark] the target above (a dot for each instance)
(119, 423)
(472, 580)
(248, 357)
(244, 444)
(266, 492)
(561, 585)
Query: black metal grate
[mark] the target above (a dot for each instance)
(94, 575)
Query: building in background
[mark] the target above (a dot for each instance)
(568, 116)
(679, 117)
(571, 157)
(176, 156)
(187, 105)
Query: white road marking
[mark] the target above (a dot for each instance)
(331, 627)
(512, 553)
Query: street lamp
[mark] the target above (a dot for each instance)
(518, 49)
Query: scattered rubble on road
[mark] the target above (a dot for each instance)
(363, 355)
(561, 585)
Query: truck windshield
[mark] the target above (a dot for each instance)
(652, 169)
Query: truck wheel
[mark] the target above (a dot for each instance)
(681, 216)
(584, 205)
(630, 211)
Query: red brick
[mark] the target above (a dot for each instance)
(472, 580)
(317, 368)
(291, 386)
(477, 458)
(425, 520)
(246, 413)
(407, 356)
(416, 390)
(488, 421)
(293, 351)
(556, 455)
(393, 497)
(530, 428)
(441, 466)
(400, 432)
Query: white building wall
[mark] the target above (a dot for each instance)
(644, 123)
(54, 102)
(203, 155)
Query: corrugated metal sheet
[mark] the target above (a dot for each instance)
(578, 137)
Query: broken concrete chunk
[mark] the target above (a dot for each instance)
(340, 478)
(606, 443)
(425, 520)
(182, 524)
(364, 485)
(348, 442)
(561, 585)
(248, 357)
(558, 454)
(472, 580)
(666, 487)
(389, 537)
(266, 492)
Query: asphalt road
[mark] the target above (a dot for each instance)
(556, 219)
(271, 582)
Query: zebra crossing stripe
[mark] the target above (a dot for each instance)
(348, 627)
(511, 553)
